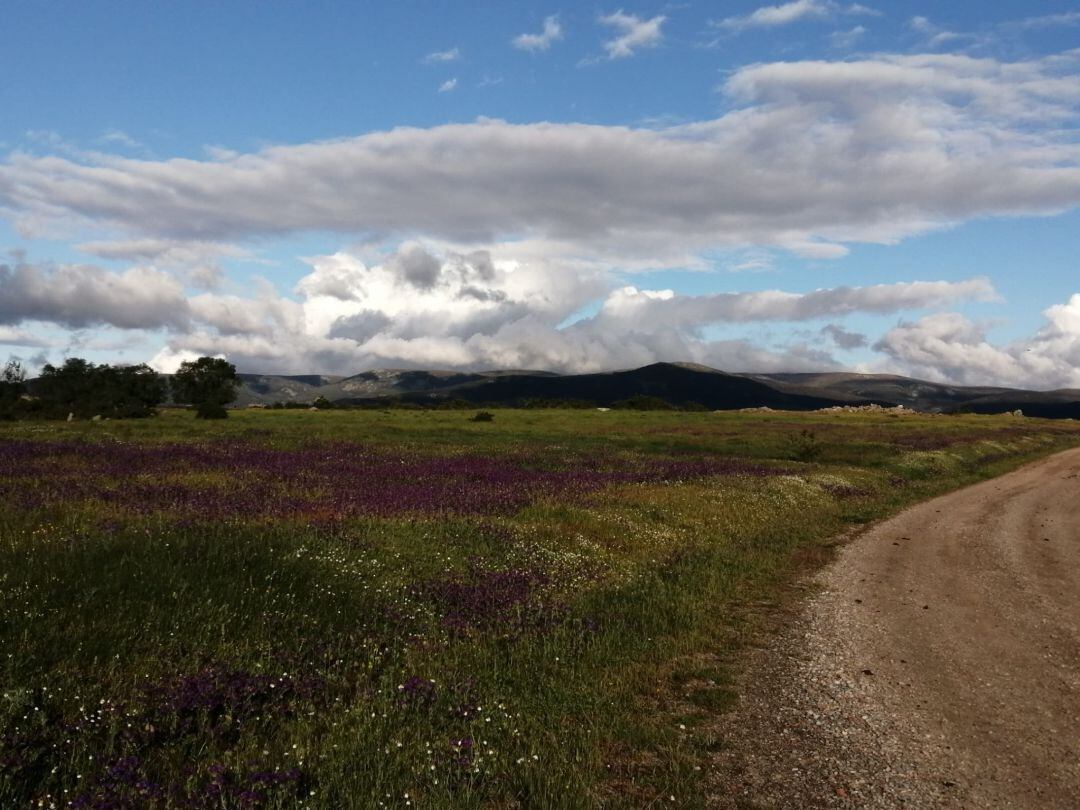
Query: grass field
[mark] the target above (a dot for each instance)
(411, 609)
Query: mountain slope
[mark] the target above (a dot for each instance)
(676, 383)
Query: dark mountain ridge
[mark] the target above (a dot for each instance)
(680, 384)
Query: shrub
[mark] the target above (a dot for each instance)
(804, 446)
(483, 416)
(210, 410)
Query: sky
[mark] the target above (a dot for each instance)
(315, 187)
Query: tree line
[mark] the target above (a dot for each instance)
(83, 390)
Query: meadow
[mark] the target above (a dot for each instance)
(412, 609)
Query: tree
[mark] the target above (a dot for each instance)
(132, 390)
(208, 383)
(85, 389)
(12, 387)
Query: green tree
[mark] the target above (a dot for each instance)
(12, 387)
(208, 383)
(85, 389)
(130, 391)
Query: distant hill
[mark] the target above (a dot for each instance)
(911, 393)
(675, 383)
(680, 384)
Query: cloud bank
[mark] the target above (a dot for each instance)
(814, 155)
(499, 245)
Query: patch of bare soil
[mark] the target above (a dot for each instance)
(938, 664)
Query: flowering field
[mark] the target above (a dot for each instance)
(409, 609)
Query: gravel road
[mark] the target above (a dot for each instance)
(936, 665)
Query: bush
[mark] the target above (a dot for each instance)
(210, 410)
(804, 446)
(483, 416)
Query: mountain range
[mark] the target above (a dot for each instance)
(681, 384)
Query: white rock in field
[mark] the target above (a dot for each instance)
(71, 417)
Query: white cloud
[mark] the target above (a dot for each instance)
(816, 155)
(788, 13)
(14, 336)
(948, 347)
(935, 36)
(197, 261)
(819, 154)
(633, 33)
(1049, 20)
(552, 32)
(77, 296)
(847, 39)
(630, 305)
(448, 85)
(120, 138)
(439, 57)
(426, 307)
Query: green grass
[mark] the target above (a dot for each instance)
(153, 658)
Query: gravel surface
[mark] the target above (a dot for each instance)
(936, 665)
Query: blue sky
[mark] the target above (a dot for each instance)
(886, 187)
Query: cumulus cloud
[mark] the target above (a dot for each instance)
(448, 85)
(948, 347)
(416, 266)
(552, 32)
(788, 13)
(425, 307)
(632, 33)
(422, 306)
(816, 154)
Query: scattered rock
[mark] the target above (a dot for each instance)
(898, 410)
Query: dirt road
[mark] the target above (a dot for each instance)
(938, 665)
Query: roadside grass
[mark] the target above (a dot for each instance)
(537, 611)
